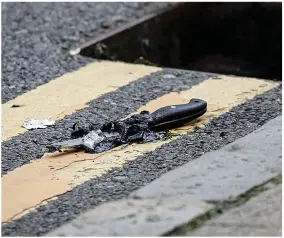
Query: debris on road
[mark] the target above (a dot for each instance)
(143, 127)
(16, 105)
(36, 124)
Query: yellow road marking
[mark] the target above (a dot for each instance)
(70, 92)
(57, 173)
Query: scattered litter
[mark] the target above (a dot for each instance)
(36, 124)
(75, 51)
(16, 105)
(169, 76)
(139, 128)
(93, 138)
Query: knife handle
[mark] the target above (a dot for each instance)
(177, 115)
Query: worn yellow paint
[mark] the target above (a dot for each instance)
(57, 173)
(70, 92)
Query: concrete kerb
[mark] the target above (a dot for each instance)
(157, 213)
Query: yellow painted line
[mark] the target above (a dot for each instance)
(58, 173)
(70, 92)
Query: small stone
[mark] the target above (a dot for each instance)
(120, 178)
(168, 76)
(105, 25)
(222, 134)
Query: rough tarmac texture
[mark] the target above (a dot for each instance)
(135, 217)
(260, 216)
(228, 172)
(32, 145)
(36, 38)
(120, 182)
(174, 199)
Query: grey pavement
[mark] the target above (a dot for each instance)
(135, 217)
(246, 163)
(228, 172)
(260, 216)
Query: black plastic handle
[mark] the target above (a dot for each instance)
(178, 115)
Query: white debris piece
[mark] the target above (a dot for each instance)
(36, 124)
(169, 76)
(75, 51)
(94, 137)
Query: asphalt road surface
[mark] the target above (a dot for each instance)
(42, 191)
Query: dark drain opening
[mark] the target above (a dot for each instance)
(243, 39)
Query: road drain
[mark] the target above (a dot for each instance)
(243, 39)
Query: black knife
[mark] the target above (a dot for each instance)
(162, 119)
(177, 115)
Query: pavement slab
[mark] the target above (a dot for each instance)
(135, 217)
(228, 172)
(260, 216)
